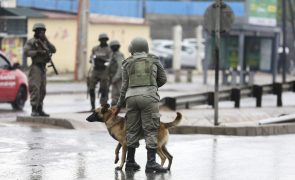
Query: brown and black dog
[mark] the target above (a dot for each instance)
(116, 128)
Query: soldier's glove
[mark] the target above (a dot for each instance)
(116, 110)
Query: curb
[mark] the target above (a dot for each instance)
(64, 123)
(262, 130)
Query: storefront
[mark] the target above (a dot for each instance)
(13, 32)
(246, 48)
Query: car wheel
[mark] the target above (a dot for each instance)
(20, 100)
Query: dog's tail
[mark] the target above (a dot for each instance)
(175, 122)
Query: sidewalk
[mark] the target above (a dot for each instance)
(65, 83)
(199, 119)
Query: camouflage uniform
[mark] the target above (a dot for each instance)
(99, 57)
(115, 71)
(37, 70)
(142, 75)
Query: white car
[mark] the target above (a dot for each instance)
(164, 49)
(193, 42)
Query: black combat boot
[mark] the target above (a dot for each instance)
(152, 165)
(35, 111)
(41, 112)
(131, 165)
(92, 99)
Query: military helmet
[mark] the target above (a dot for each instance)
(138, 44)
(114, 43)
(103, 36)
(39, 26)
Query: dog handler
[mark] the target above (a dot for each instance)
(142, 75)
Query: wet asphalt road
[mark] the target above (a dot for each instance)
(50, 154)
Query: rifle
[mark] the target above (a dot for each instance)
(49, 56)
(53, 66)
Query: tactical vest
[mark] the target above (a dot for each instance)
(141, 72)
(100, 58)
(40, 59)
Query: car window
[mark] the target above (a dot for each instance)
(168, 46)
(183, 48)
(155, 44)
(189, 50)
(3, 63)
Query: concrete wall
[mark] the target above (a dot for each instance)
(124, 33)
(62, 33)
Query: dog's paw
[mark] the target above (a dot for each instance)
(116, 160)
(118, 168)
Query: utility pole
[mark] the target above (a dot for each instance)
(217, 59)
(290, 4)
(284, 29)
(218, 19)
(144, 9)
(81, 48)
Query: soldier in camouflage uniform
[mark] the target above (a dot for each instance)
(115, 71)
(100, 56)
(40, 50)
(142, 75)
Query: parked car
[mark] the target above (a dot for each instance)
(13, 84)
(193, 42)
(164, 50)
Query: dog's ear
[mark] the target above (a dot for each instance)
(105, 108)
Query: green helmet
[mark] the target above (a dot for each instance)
(38, 26)
(103, 36)
(114, 43)
(138, 44)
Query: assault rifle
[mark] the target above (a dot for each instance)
(49, 54)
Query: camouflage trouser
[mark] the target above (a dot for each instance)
(37, 85)
(99, 76)
(142, 118)
(116, 88)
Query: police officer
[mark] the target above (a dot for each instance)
(115, 71)
(100, 56)
(142, 75)
(40, 50)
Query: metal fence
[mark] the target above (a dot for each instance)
(233, 94)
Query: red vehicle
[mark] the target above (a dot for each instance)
(13, 84)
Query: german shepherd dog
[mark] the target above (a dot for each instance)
(116, 128)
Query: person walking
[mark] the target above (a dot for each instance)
(142, 75)
(115, 71)
(40, 50)
(100, 56)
